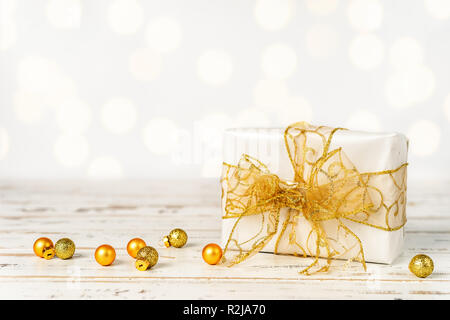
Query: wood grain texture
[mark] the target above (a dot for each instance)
(114, 212)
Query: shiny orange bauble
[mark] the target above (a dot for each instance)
(212, 253)
(105, 255)
(134, 245)
(43, 247)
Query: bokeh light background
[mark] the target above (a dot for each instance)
(143, 89)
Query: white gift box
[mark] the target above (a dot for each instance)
(369, 152)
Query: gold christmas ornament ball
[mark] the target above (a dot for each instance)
(134, 245)
(421, 265)
(148, 254)
(105, 255)
(64, 248)
(176, 238)
(212, 253)
(43, 247)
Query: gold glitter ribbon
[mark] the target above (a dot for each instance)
(326, 187)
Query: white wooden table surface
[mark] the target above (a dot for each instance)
(114, 212)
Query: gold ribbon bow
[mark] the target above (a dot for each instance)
(326, 187)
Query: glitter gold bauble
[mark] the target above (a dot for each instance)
(148, 254)
(134, 245)
(64, 248)
(105, 255)
(176, 238)
(421, 265)
(43, 247)
(212, 253)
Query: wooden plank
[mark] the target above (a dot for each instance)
(96, 213)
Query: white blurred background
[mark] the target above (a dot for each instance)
(112, 89)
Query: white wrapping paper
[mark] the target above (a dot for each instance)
(368, 152)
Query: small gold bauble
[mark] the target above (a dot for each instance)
(176, 238)
(105, 255)
(421, 265)
(134, 245)
(212, 253)
(142, 264)
(43, 247)
(64, 248)
(148, 254)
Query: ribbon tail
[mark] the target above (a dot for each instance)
(360, 255)
(321, 241)
(274, 219)
(283, 229)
